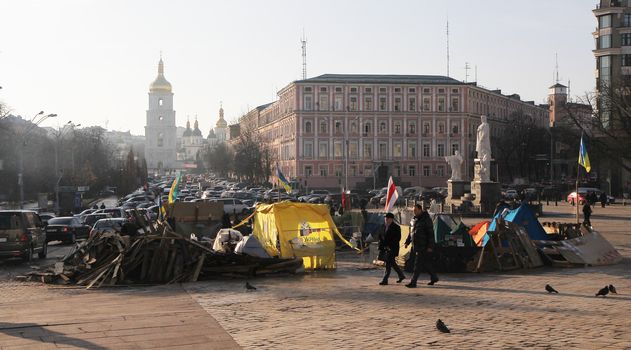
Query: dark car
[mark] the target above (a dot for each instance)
(428, 195)
(66, 229)
(21, 235)
(91, 219)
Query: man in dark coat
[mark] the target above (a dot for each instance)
(422, 239)
(603, 199)
(587, 212)
(389, 243)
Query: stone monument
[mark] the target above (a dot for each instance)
(455, 185)
(487, 192)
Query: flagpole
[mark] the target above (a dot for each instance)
(576, 197)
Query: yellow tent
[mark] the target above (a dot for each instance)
(289, 229)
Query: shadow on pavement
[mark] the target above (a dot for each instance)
(38, 333)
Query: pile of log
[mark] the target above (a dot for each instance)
(157, 257)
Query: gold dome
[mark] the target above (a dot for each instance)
(221, 123)
(160, 84)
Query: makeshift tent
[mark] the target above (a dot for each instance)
(288, 229)
(521, 216)
(478, 233)
(226, 240)
(249, 245)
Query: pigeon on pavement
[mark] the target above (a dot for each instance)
(441, 326)
(248, 286)
(603, 291)
(612, 289)
(549, 289)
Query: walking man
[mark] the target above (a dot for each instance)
(422, 239)
(389, 243)
(587, 212)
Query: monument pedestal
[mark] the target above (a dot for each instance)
(456, 188)
(487, 194)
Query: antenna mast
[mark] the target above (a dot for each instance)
(447, 45)
(303, 41)
(466, 71)
(556, 67)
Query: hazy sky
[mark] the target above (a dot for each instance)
(92, 61)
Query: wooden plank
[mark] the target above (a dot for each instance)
(198, 268)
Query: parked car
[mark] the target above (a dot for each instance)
(232, 205)
(45, 217)
(115, 212)
(22, 235)
(91, 219)
(66, 229)
(105, 225)
(512, 194)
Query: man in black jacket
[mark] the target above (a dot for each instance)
(422, 239)
(389, 243)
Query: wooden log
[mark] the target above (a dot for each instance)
(198, 268)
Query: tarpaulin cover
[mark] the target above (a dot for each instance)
(463, 231)
(478, 233)
(288, 229)
(524, 217)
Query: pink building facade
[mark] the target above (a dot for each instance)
(333, 130)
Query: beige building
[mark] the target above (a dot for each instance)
(362, 129)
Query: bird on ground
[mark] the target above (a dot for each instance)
(441, 326)
(248, 286)
(549, 289)
(612, 289)
(603, 291)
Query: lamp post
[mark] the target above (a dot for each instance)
(61, 132)
(346, 145)
(35, 121)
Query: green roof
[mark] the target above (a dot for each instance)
(381, 79)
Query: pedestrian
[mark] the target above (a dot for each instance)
(587, 212)
(603, 199)
(389, 243)
(102, 205)
(95, 206)
(422, 239)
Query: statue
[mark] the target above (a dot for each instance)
(483, 147)
(455, 162)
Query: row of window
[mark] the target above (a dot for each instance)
(338, 127)
(409, 170)
(353, 150)
(369, 90)
(605, 21)
(382, 104)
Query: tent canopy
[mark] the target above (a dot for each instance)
(524, 217)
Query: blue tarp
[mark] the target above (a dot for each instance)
(524, 217)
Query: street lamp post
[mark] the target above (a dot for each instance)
(59, 138)
(35, 121)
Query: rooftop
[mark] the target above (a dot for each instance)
(381, 79)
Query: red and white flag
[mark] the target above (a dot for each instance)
(391, 196)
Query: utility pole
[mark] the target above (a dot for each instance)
(34, 123)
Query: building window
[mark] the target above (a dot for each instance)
(323, 127)
(160, 118)
(427, 104)
(411, 90)
(454, 91)
(441, 128)
(626, 60)
(352, 150)
(454, 128)
(323, 89)
(367, 150)
(160, 102)
(337, 169)
(604, 21)
(308, 127)
(354, 89)
(441, 91)
(440, 170)
(454, 147)
(337, 105)
(322, 152)
(412, 170)
(338, 127)
(411, 150)
(368, 103)
(605, 41)
(307, 89)
(308, 103)
(440, 150)
(338, 89)
(626, 21)
(353, 127)
(625, 39)
(353, 103)
(308, 170)
(426, 128)
(427, 150)
(397, 128)
(441, 104)
(427, 170)
(455, 105)
(367, 128)
(427, 91)
(382, 127)
(308, 152)
(383, 150)
(324, 102)
(382, 103)
(337, 149)
(368, 90)
(324, 170)
(382, 90)
(412, 104)
(160, 139)
(397, 104)
(412, 128)
(397, 150)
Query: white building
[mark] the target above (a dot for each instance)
(160, 130)
(192, 141)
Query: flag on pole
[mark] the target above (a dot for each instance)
(583, 158)
(391, 196)
(283, 181)
(175, 189)
(162, 210)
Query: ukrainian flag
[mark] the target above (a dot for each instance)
(583, 158)
(175, 189)
(283, 181)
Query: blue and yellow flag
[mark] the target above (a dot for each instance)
(583, 158)
(175, 189)
(283, 181)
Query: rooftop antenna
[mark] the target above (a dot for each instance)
(303, 41)
(466, 71)
(569, 97)
(476, 73)
(448, 45)
(556, 67)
